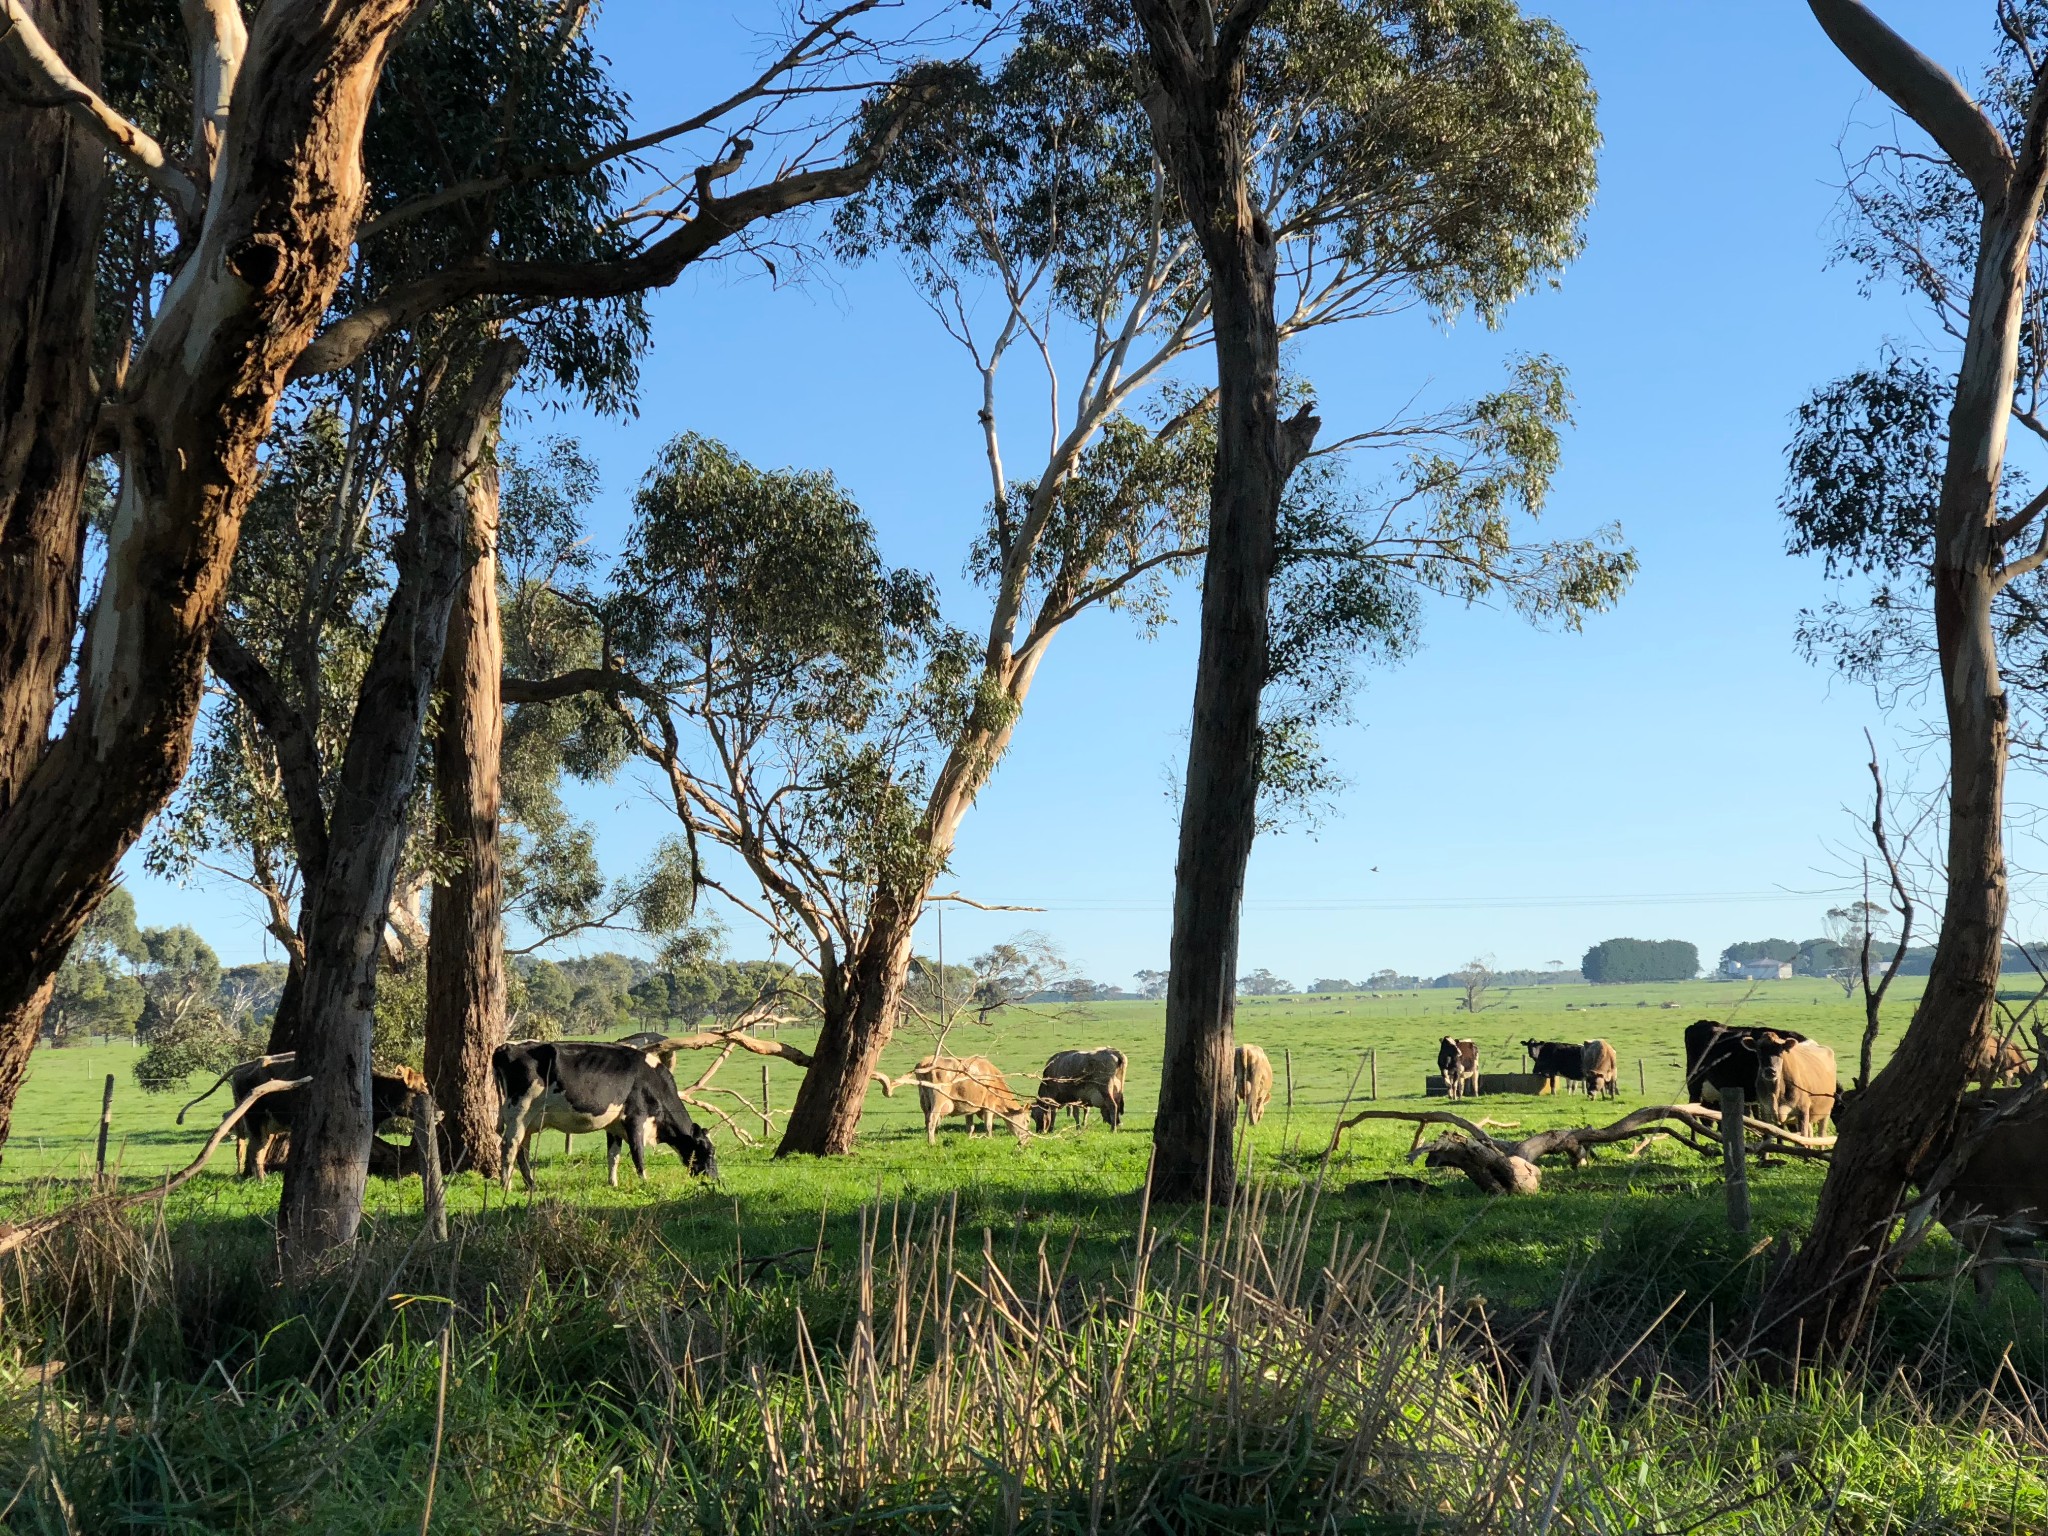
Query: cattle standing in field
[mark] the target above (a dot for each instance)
(1254, 1072)
(593, 1085)
(1998, 1061)
(1552, 1059)
(1458, 1061)
(257, 1133)
(972, 1086)
(1081, 1080)
(1744, 1056)
(1603, 1073)
(1998, 1202)
(1804, 1092)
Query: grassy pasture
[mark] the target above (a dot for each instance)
(562, 1300)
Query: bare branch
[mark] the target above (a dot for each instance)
(1923, 90)
(33, 55)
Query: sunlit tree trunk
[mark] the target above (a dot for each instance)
(277, 225)
(465, 943)
(1823, 1298)
(322, 1203)
(1198, 125)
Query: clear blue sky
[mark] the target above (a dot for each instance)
(1676, 771)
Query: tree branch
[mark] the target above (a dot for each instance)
(1923, 90)
(291, 737)
(658, 266)
(33, 55)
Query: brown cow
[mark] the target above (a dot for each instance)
(1254, 1072)
(1999, 1201)
(1603, 1075)
(970, 1086)
(1458, 1061)
(1804, 1089)
(1998, 1061)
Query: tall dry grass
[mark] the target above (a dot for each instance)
(1250, 1371)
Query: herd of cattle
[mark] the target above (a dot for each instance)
(1997, 1201)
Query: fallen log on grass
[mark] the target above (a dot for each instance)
(12, 1237)
(1510, 1168)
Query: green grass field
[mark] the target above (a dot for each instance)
(202, 1392)
(1080, 1185)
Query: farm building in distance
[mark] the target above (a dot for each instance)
(1756, 970)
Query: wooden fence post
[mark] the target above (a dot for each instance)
(1642, 1081)
(1375, 1055)
(1735, 1160)
(767, 1126)
(426, 1146)
(99, 1172)
(1287, 1056)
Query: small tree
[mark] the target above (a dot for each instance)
(1854, 930)
(1473, 979)
(1263, 983)
(1151, 984)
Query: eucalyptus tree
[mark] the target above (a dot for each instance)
(1408, 156)
(798, 697)
(1899, 471)
(256, 256)
(1447, 150)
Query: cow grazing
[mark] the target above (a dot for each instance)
(1603, 1073)
(1805, 1088)
(1254, 1072)
(1458, 1061)
(256, 1133)
(1998, 1202)
(1998, 1061)
(1552, 1059)
(593, 1085)
(1081, 1080)
(972, 1086)
(1745, 1056)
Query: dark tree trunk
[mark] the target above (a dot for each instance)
(322, 1203)
(860, 1013)
(1822, 1300)
(465, 943)
(52, 185)
(1199, 133)
(279, 223)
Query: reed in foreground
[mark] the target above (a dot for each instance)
(1260, 1373)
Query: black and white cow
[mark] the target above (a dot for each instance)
(1551, 1059)
(593, 1085)
(1745, 1056)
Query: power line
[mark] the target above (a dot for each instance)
(1462, 903)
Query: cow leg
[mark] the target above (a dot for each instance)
(259, 1155)
(932, 1113)
(639, 1137)
(613, 1142)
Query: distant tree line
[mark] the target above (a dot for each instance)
(1636, 960)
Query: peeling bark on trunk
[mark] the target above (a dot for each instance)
(860, 1014)
(465, 943)
(1198, 131)
(275, 239)
(1822, 1300)
(322, 1203)
(52, 190)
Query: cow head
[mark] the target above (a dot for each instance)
(693, 1144)
(1529, 1048)
(1044, 1116)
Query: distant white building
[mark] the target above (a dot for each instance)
(1756, 970)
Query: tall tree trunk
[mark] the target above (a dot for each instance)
(52, 188)
(465, 943)
(1823, 1298)
(1198, 131)
(278, 224)
(859, 1017)
(322, 1203)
